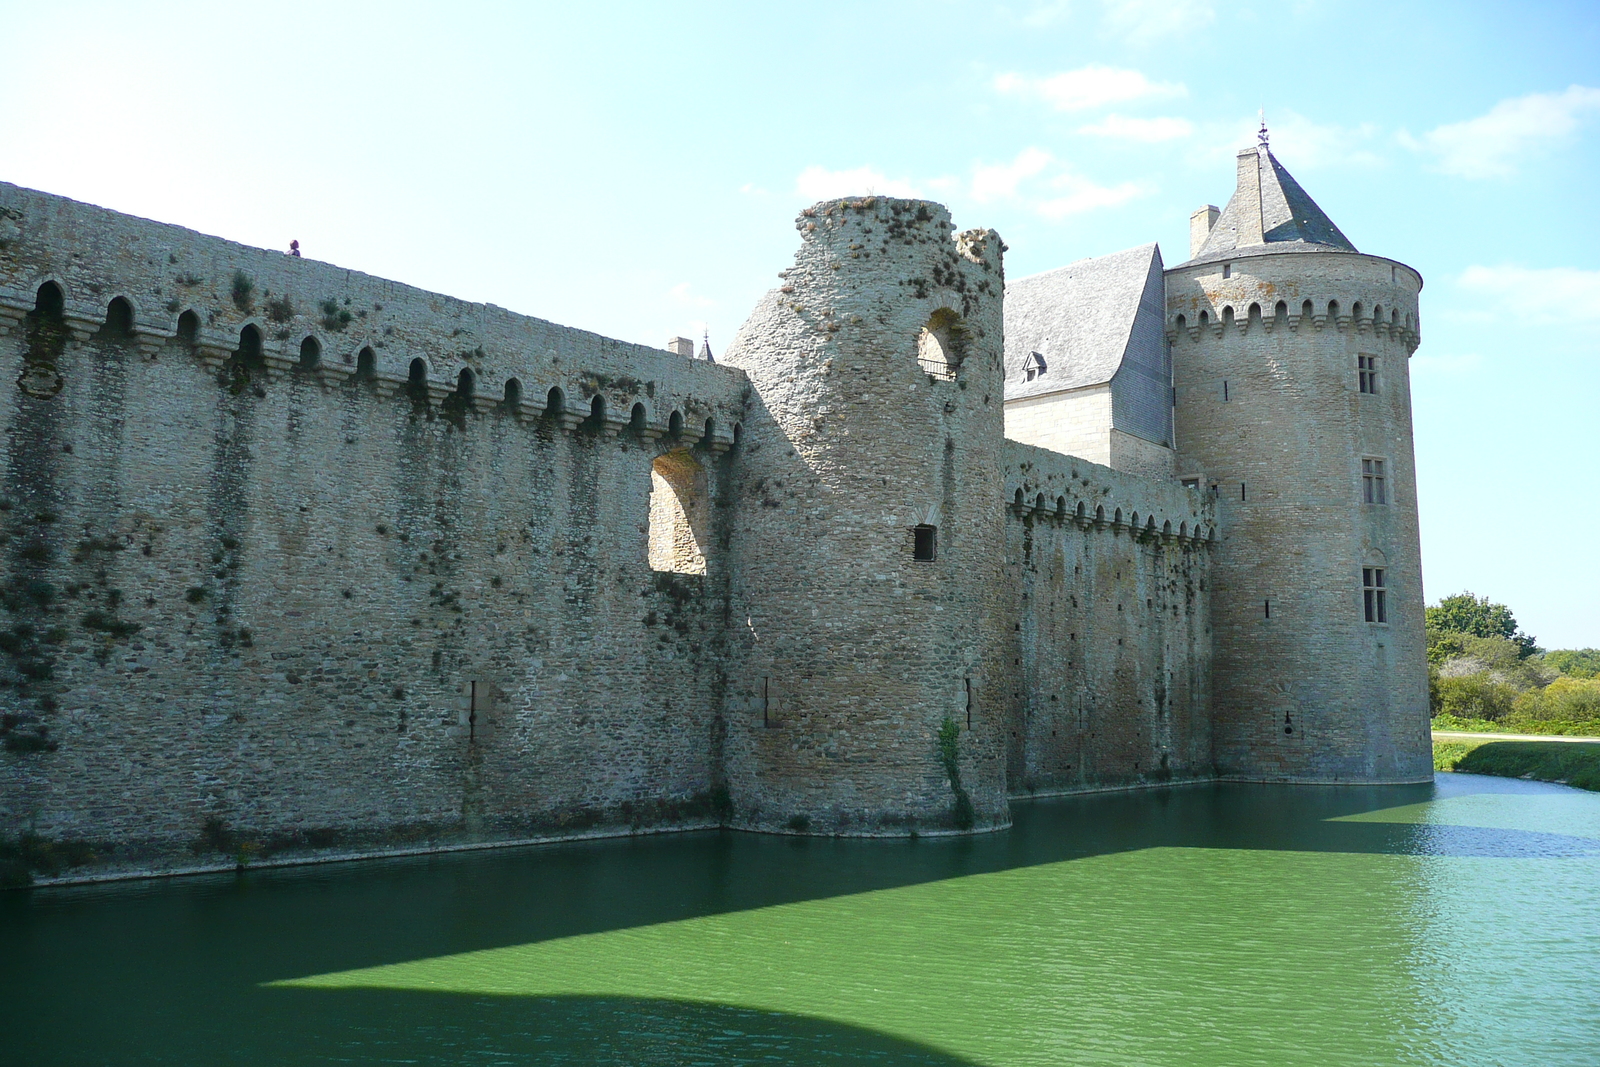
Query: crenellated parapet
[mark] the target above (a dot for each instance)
(180, 295)
(1046, 486)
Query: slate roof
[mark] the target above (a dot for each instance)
(1080, 318)
(1290, 220)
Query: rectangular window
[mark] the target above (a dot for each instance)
(1373, 490)
(925, 543)
(1191, 483)
(1367, 372)
(1373, 593)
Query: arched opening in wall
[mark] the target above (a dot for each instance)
(459, 404)
(1307, 310)
(1016, 499)
(1355, 311)
(596, 422)
(1227, 315)
(310, 353)
(1183, 322)
(189, 329)
(1255, 314)
(1081, 512)
(925, 543)
(249, 351)
(247, 363)
(366, 365)
(941, 345)
(417, 382)
(1333, 310)
(512, 400)
(119, 321)
(1394, 317)
(738, 434)
(1280, 311)
(555, 403)
(1040, 504)
(1100, 515)
(711, 433)
(675, 425)
(638, 420)
(1116, 519)
(680, 516)
(45, 336)
(1205, 318)
(1377, 313)
(1061, 508)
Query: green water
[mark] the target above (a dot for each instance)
(1228, 925)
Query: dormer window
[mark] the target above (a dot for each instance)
(1034, 367)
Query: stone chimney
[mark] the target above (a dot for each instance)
(1200, 224)
(1247, 198)
(682, 346)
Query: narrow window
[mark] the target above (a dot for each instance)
(1373, 490)
(925, 543)
(1374, 593)
(969, 704)
(1367, 373)
(941, 345)
(1224, 389)
(472, 711)
(1266, 608)
(1227, 270)
(1241, 490)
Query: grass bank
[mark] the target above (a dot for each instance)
(1531, 726)
(1568, 762)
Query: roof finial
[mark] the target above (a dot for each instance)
(1262, 135)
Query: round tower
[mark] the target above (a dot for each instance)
(1293, 399)
(866, 551)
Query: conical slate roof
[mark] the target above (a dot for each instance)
(1270, 212)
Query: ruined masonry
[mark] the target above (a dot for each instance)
(301, 562)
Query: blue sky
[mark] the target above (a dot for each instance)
(635, 169)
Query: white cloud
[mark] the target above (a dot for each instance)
(1488, 146)
(680, 294)
(1087, 87)
(1137, 21)
(1142, 21)
(1000, 180)
(1542, 294)
(819, 183)
(1149, 131)
(1079, 194)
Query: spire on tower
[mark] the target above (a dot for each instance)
(1262, 134)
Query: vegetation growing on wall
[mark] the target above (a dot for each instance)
(950, 757)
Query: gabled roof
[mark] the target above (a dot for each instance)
(1270, 212)
(1079, 318)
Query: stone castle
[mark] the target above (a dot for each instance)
(303, 562)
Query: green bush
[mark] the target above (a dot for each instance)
(1574, 662)
(1563, 700)
(1569, 762)
(1476, 696)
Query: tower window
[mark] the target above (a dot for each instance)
(1374, 594)
(1227, 270)
(925, 543)
(1373, 490)
(1367, 373)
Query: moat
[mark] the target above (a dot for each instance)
(1454, 923)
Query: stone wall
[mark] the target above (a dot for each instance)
(258, 601)
(1110, 650)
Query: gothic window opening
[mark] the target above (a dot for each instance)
(1374, 594)
(310, 353)
(680, 515)
(119, 320)
(925, 543)
(366, 365)
(1373, 488)
(1367, 374)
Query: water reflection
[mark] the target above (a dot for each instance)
(1225, 924)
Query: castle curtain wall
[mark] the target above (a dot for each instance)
(1109, 676)
(250, 601)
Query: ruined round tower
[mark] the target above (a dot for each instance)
(867, 538)
(1293, 405)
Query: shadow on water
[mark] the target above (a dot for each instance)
(181, 963)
